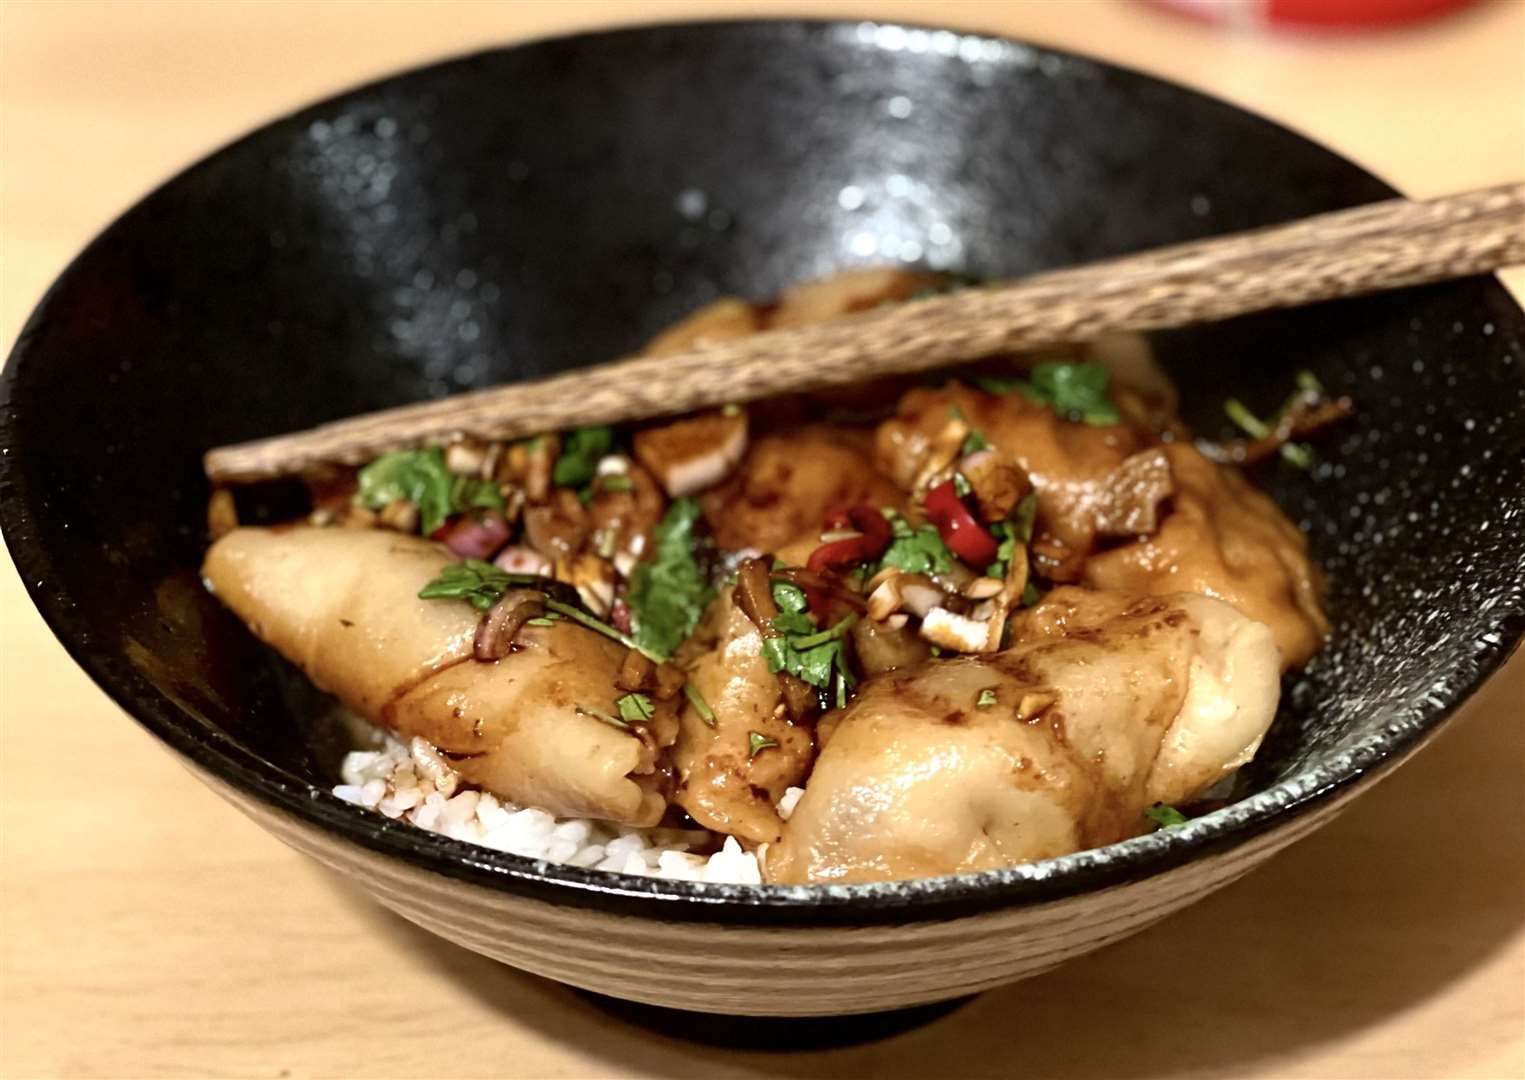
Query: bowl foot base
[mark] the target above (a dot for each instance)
(774, 1032)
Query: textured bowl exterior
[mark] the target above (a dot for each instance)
(760, 970)
(526, 210)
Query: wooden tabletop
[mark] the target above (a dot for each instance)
(148, 930)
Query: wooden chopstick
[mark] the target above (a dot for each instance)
(1347, 253)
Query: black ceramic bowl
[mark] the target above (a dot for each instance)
(529, 209)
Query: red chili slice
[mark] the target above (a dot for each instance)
(473, 536)
(839, 554)
(964, 535)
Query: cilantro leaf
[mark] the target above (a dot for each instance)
(915, 550)
(788, 596)
(421, 477)
(804, 652)
(668, 591)
(974, 442)
(1078, 391)
(1165, 817)
(775, 650)
(481, 584)
(579, 455)
(793, 622)
(1075, 391)
(986, 699)
(634, 708)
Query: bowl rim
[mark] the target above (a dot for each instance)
(773, 905)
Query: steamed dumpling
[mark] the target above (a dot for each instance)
(343, 605)
(1224, 538)
(1106, 704)
(722, 784)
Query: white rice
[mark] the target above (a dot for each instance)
(414, 783)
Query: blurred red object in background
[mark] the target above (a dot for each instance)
(1312, 14)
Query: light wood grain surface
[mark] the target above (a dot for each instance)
(147, 930)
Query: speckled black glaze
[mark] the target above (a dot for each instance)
(520, 211)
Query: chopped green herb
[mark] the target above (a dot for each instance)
(615, 482)
(634, 708)
(580, 452)
(974, 442)
(668, 591)
(1248, 422)
(1018, 528)
(1298, 454)
(998, 384)
(824, 636)
(541, 620)
(580, 616)
(1030, 595)
(481, 584)
(793, 622)
(841, 690)
(701, 706)
(421, 477)
(788, 596)
(1075, 391)
(1165, 817)
(612, 721)
(1308, 383)
(1024, 517)
(806, 653)
(757, 742)
(986, 699)
(915, 550)
(961, 486)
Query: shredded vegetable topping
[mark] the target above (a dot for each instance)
(421, 477)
